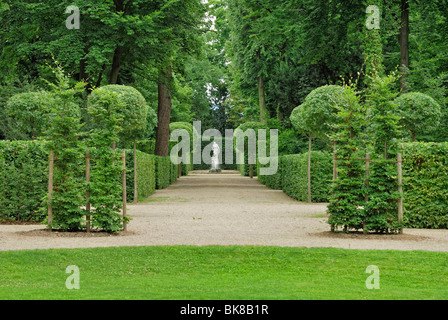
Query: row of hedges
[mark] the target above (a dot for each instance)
(24, 178)
(273, 181)
(146, 175)
(292, 178)
(148, 146)
(425, 182)
(425, 185)
(166, 172)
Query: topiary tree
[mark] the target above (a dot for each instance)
(130, 106)
(316, 116)
(105, 107)
(347, 191)
(30, 111)
(381, 207)
(62, 134)
(417, 112)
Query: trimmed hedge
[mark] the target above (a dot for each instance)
(146, 175)
(23, 180)
(148, 146)
(163, 172)
(292, 177)
(271, 181)
(173, 172)
(425, 185)
(295, 178)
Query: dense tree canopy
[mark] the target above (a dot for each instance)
(223, 62)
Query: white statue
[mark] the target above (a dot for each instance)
(215, 158)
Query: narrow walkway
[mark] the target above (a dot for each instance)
(223, 209)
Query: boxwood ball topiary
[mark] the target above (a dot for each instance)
(318, 112)
(125, 102)
(417, 112)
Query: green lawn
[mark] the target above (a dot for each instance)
(222, 273)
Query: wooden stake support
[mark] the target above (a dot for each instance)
(88, 191)
(400, 189)
(123, 156)
(50, 189)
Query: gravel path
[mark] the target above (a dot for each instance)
(222, 209)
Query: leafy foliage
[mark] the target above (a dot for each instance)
(381, 209)
(23, 180)
(62, 134)
(347, 191)
(163, 172)
(241, 132)
(425, 185)
(294, 180)
(105, 107)
(30, 112)
(419, 113)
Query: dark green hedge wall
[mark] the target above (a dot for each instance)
(272, 181)
(163, 172)
(425, 185)
(146, 175)
(23, 180)
(292, 177)
(295, 177)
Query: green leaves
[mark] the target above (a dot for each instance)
(418, 112)
(425, 185)
(317, 115)
(23, 180)
(30, 111)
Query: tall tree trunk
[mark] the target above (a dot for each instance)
(163, 113)
(404, 45)
(309, 167)
(261, 99)
(116, 64)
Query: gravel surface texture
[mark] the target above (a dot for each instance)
(222, 209)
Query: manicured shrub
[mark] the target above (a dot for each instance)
(128, 104)
(163, 172)
(418, 112)
(30, 111)
(146, 175)
(295, 179)
(273, 181)
(173, 172)
(425, 185)
(23, 180)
